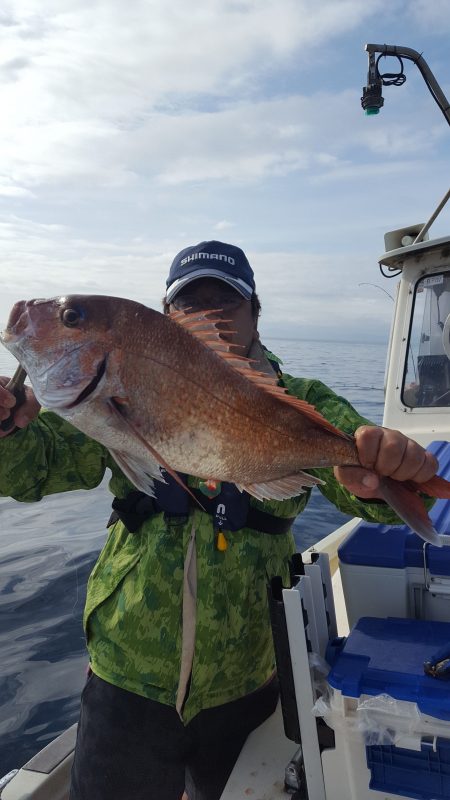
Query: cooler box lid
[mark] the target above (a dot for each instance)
(386, 656)
(396, 546)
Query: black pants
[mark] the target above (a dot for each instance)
(131, 748)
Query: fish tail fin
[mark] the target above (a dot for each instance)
(435, 487)
(404, 500)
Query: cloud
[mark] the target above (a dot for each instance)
(223, 225)
(433, 13)
(141, 52)
(47, 260)
(242, 141)
(315, 295)
(79, 78)
(8, 189)
(301, 292)
(134, 130)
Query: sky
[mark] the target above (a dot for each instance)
(129, 131)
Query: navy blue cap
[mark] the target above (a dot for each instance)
(226, 262)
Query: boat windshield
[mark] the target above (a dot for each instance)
(427, 376)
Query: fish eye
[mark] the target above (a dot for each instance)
(70, 317)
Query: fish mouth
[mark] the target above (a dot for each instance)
(90, 388)
(17, 322)
(20, 322)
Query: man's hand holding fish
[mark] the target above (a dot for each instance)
(382, 451)
(27, 411)
(213, 453)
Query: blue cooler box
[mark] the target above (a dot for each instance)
(386, 657)
(386, 571)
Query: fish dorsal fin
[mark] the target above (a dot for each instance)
(202, 325)
(204, 328)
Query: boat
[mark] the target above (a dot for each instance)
(311, 748)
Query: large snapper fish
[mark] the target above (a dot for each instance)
(168, 393)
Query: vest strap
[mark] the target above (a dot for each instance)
(137, 507)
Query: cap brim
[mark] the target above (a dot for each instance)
(237, 283)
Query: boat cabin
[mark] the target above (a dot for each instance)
(417, 388)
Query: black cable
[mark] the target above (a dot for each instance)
(391, 78)
(392, 275)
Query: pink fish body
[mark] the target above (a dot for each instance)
(169, 393)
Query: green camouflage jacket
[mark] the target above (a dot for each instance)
(133, 615)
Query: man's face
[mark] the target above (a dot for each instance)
(235, 311)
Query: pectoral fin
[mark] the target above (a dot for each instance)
(142, 470)
(281, 488)
(141, 474)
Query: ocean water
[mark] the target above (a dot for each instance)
(47, 550)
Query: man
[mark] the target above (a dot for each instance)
(176, 620)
